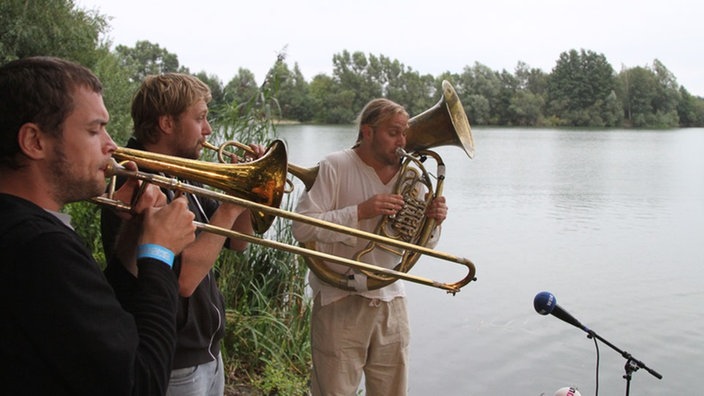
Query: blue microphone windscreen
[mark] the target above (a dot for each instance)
(544, 302)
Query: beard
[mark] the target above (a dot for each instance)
(185, 147)
(388, 158)
(70, 185)
(189, 152)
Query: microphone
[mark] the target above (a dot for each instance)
(546, 303)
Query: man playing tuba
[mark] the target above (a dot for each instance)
(355, 330)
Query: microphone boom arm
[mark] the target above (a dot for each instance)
(632, 364)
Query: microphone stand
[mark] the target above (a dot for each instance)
(632, 364)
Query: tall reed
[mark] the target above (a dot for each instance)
(267, 344)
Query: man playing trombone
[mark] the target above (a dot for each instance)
(63, 332)
(360, 331)
(170, 117)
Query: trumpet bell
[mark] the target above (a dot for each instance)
(262, 180)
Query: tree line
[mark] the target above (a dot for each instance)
(582, 89)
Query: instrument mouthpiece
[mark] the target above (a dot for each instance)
(112, 168)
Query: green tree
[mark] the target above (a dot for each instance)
(690, 109)
(479, 90)
(332, 103)
(578, 88)
(267, 331)
(503, 115)
(638, 88)
(477, 108)
(117, 94)
(215, 85)
(293, 94)
(533, 80)
(415, 92)
(359, 79)
(147, 58)
(49, 28)
(667, 97)
(525, 108)
(482, 87)
(319, 92)
(612, 110)
(527, 105)
(241, 88)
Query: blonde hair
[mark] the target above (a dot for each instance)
(165, 94)
(375, 112)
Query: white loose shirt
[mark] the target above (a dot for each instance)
(343, 182)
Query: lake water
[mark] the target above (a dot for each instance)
(610, 222)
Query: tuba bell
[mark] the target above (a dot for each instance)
(443, 124)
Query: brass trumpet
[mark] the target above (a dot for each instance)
(258, 186)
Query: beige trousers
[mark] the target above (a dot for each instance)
(358, 335)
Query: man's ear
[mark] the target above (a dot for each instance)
(166, 124)
(367, 131)
(32, 141)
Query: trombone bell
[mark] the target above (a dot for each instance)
(261, 181)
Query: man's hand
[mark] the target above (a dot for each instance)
(257, 151)
(437, 209)
(138, 194)
(380, 204)
(170, 226)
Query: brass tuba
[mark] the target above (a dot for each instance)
(443, 124)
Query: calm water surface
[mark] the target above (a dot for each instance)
(610, 222)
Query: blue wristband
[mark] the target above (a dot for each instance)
(158, 252)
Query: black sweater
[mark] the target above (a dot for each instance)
(63, 332)
(201, 317)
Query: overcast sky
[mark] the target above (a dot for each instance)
(221, 36)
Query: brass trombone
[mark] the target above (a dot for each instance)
(306, 175)
(258, 186)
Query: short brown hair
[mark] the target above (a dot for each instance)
(165, 94)
(39, 90)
